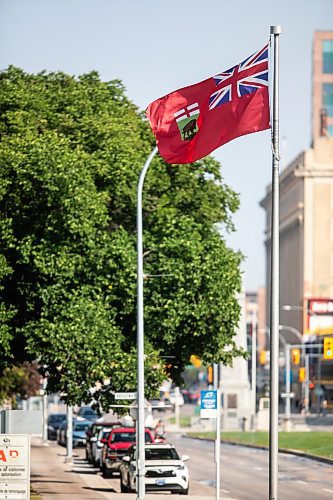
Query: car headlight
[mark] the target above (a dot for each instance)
(181, 467)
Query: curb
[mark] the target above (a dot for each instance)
(297, 453)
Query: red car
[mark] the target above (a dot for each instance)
(119, 442)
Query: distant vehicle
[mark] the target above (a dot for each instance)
(80, 426)
(88, 413)
(54, 421)
(176, 399)
(191, 396)
(120, 440)
(95, 441)
(97, 447)
(165, 471)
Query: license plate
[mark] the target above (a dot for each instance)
(160, 482)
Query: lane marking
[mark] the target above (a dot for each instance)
(258, 468)
(302, 482)
(328, 491)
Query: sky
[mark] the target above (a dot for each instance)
(157, 46)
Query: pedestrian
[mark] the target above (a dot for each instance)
(323, 407)
(160, 431)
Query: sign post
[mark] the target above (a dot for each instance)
(125, 395)
(210, 407)
(14, 466)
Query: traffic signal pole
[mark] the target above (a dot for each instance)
(288, 349)
(307, 381)
(288, 384)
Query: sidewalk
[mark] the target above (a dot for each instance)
(53, 479)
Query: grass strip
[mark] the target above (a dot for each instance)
(184, 420)
(318, 444)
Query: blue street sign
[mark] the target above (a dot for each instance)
(208, 404)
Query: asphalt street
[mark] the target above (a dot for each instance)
(244, 474)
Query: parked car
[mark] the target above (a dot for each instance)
(54, 421)
(88, 413)
(97, 446)
(165, 471)
(119, 442)
(80, 426)
(92, 437)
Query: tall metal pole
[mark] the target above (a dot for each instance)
(69, 434)
(275, 31)
(288, 384)
(140, 438)
(307, 381)
(45, 442)
(254, 368)
(218, 431)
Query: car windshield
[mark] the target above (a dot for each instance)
(128, 437)
(158, 454)
(105, 434)
(161, 454)
(56, 418)
(123, 437)
(80, 426)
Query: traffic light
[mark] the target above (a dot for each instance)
(302, 374)
(296, 356)
(195, 361)
(262, 357)
(210, 374)
(328, 347)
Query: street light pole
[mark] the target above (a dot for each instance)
(140, 430)
(288, 385)
(254, 368)
(307, 389)
(287, 348)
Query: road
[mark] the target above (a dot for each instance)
(244, 473)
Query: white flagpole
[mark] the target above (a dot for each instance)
(275, 31)
(140, 428)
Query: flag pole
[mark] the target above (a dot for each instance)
(275, 31)
(140, 428)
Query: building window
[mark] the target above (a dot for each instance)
(328, 98)
(327, 56)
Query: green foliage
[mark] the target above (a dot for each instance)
(71, 153)
(19, 381)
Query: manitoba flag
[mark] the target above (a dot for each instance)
(191, 122)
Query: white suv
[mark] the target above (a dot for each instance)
(164, 470)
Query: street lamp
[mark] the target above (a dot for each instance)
(287, 364)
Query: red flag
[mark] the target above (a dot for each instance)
(193, 121)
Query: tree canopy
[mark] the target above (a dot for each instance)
(71, 152)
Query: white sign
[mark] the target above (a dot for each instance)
(125, 395)
(208, 404)
(287, 395)
(14, 467)
(13, 491)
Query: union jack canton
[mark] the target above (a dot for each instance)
(245, 78)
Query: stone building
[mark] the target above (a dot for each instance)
(306, 219)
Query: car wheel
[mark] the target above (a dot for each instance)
(123, 488)
(105, 472)
(181, 492)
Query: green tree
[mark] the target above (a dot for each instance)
(19, 381)
(71, 152)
